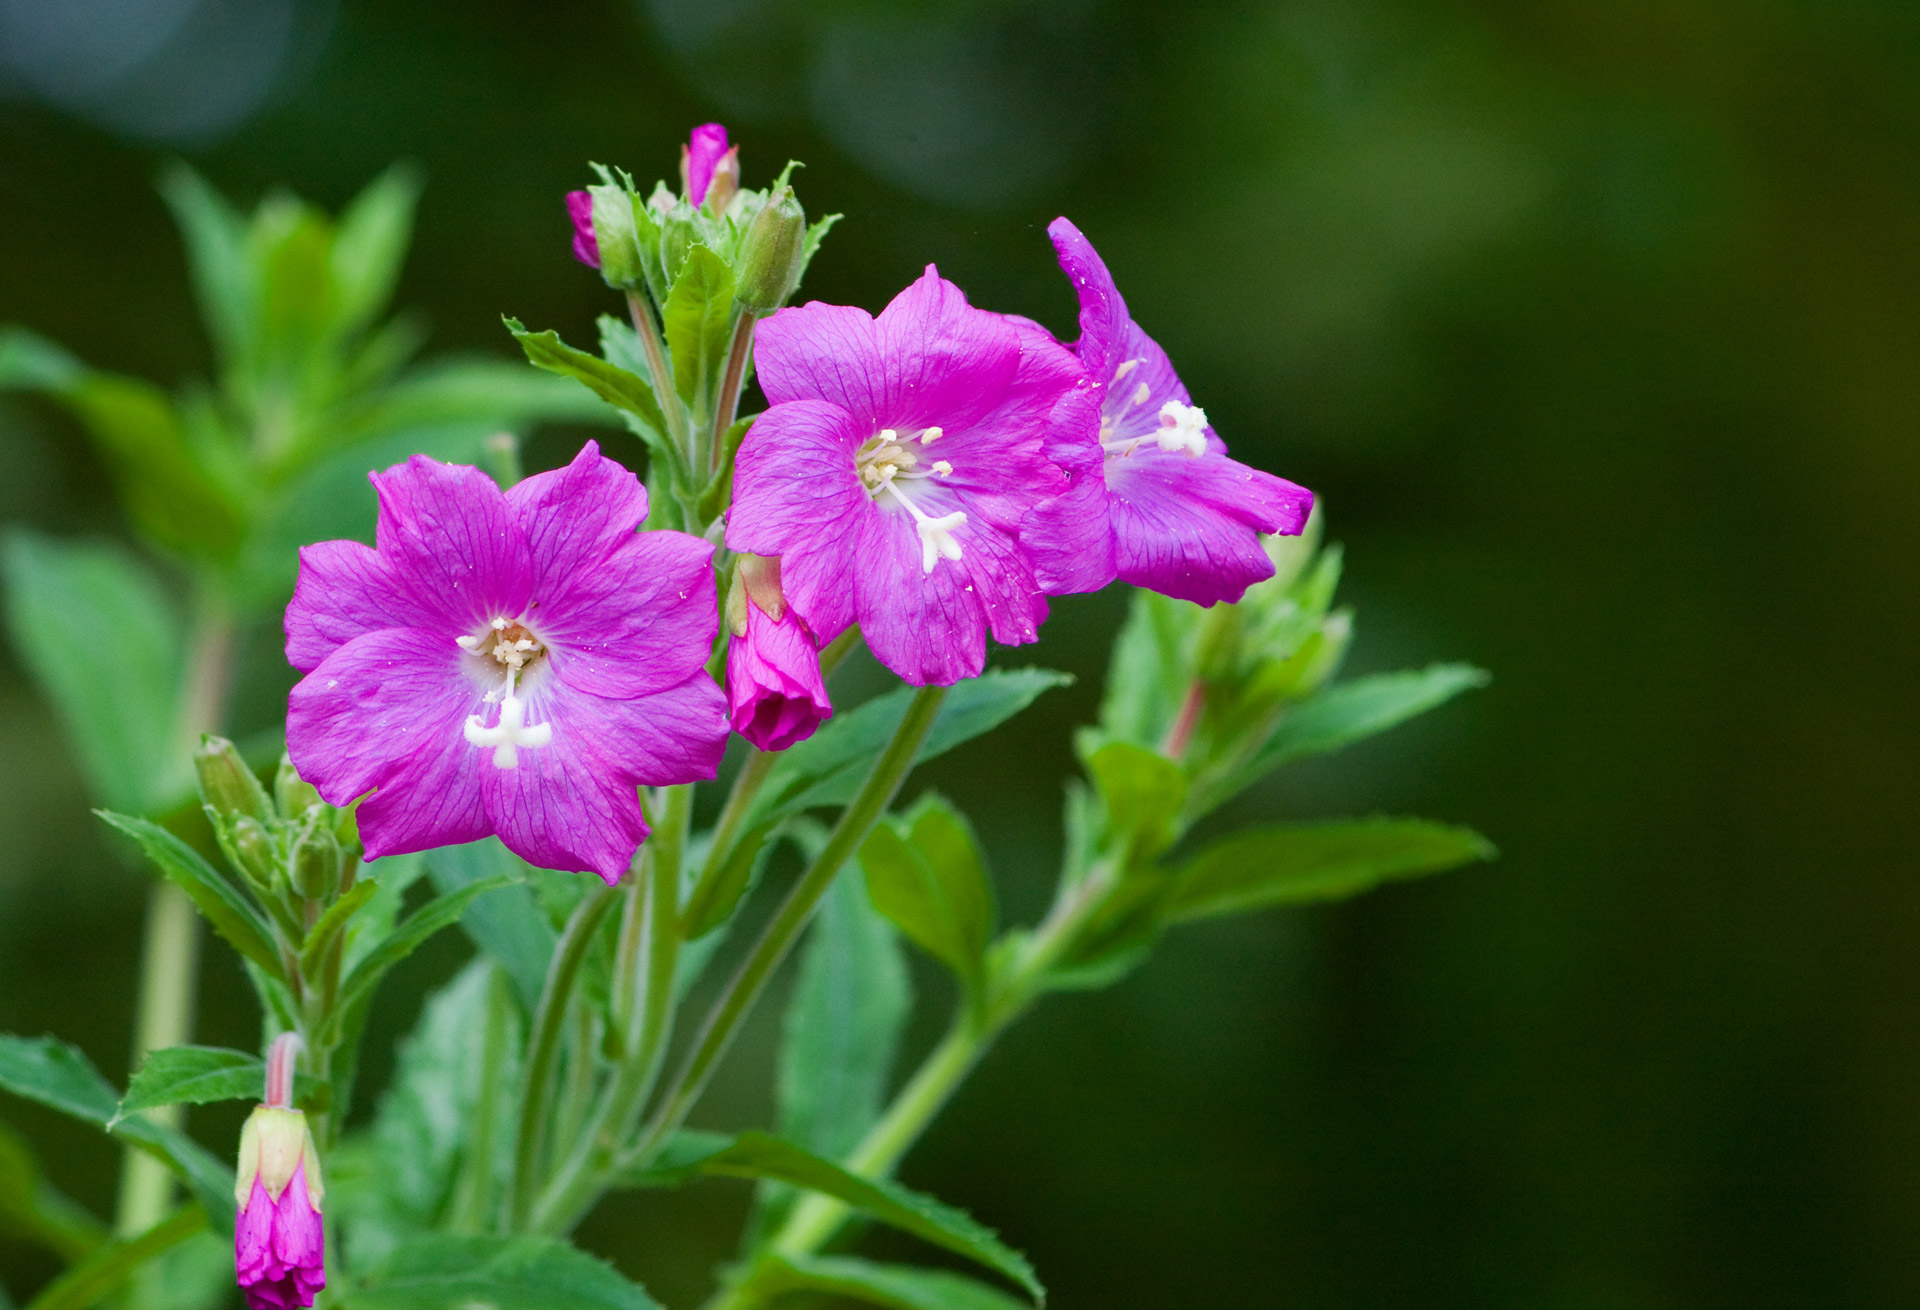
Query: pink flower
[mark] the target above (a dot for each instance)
(775, 694)
(279, 1240)
(1155, 501)
(894, 468)
(705, 159)
(511, 663)
(586, 245)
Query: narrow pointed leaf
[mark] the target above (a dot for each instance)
(517, 1273)
(1298, 864)
(1349, 711)
(610, 382)
(230, 913)
(926, 874)
(313, 951)
(88, 1282)
(897, 1287)
(441, 912)
(509, 925)
(199, 1075)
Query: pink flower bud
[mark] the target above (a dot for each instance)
(708, 163)
(279, 1240)
(586, 247)
(775, 695)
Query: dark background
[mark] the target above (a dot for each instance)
(1595, 324)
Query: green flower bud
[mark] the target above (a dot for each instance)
(294, 794)
(616, 236)
(227, 785)
(317, 860)
(770, 256)
(250, 848)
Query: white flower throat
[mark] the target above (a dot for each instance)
(511, 648)
(892, 458)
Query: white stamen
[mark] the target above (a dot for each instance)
(930, 436)
(1182, 427)
(512, 732)
(943, 468)
(1125, 368)
(1141, 394)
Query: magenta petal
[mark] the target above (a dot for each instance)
(775, 694)
(815, 351)
(574, 516)
(640, 621)
(706, 147)
(386, 711)
(586, 243)
(1103, 314)
(253, 1256)
(452, 541)
(796, 495)
(572, 804)
(1189, 526)
(944, 361)
(345, 589)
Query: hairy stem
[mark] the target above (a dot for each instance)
(727, 403)
(543, 1045)
(856, 821)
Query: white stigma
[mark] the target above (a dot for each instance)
(888, 462)
(512, 732)
(1182, 427)
(937, 541)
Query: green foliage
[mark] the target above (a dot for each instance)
(113, 1262)
(198, 1075)
(61, 1078)
(230, 912)
(508, 925)
(843, 1024)
(1143, 793)
(624, 389)
(897, 1287)
(34, 1210)
(1303, 863)
(926, 873)
(522, 1273)
(698, 322)
(109, 652)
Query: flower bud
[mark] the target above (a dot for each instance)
(317, 860)
(775, 694)
(771, 254)
(227, 785)
(586, 247)
(292, 793)
(616, 239)
(251, 849)
(709, 168)
(279, 1241)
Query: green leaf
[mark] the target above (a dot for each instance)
(843, 1024)
(216, 240)
(34, 1210)
(678, 1161)
(1348, 711)
(166, 493)
(757, 1155)
(518, 1273)
(828, 767)
(721, 886)
(30, 362)
(441, 912)
(926, 874)
(1297, 864)
(1143, 792)
(613, 384)
(59, 1076)
(489, 393)
(109, 1266)
(320, 938)
(230, 913)
(199, 1075)
(698, 322)
(510, 925)
(369, 245)
(1153, 661)
(898, 1287)
(108, 652)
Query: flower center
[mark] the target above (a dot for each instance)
(890, 458)
(509, 648)
(1181, 427)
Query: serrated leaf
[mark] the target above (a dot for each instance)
(697, 321)
(60, 1077)
(758, 1155)
(898, 1287)
(613, 384)
(1297, 864)
(441, 912)
(200, 1075)
(108, 652)
(843, 1024)
(230, 913)
(509, 925)
(926, 874)
(518, 1273)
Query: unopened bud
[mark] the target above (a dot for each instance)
(292, 793)
(317, 860)
(771, 254)
(251, 848)
(586, 246)
(279, 1241)
(710, 168)
(227, 785)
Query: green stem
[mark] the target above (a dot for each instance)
(856, 821)
(543, 1044)
(727, 403)
(648, 981)
(655, 350)
(473, 1194)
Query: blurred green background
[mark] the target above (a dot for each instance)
(1597, 326)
